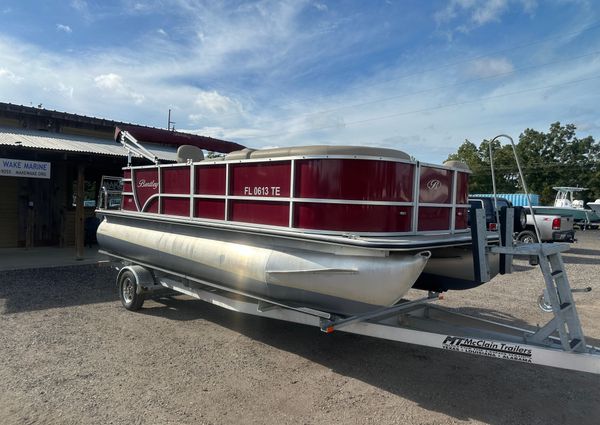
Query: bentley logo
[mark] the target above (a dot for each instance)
(144, 183)
(433, 184)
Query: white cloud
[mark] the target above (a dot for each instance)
(80, 5)
(476, 13)
(110, 81)
(162, 32)
(9, 76)
(241, 83)
(489, 67)
(64, 28)
(113, 83)
(213, 102)
(320, 7)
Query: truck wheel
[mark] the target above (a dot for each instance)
(128, 293)
(527, 236)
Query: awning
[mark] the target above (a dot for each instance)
(60, 142)
(177, 138)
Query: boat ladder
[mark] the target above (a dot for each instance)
(558, 295)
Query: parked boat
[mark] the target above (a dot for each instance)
(339, 228)
(565, 204)
(595, 206)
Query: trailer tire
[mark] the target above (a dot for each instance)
(527, 236)
(128, 291)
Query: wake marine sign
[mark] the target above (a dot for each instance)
(24, 168)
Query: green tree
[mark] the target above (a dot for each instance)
(559, 158)
(478, 160)
(555, 158)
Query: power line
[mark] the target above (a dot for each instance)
(416, 111)
(474, 80)
(488, 54)
(455, 63)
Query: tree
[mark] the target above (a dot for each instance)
(559, 158)
(556, 158)
(478, 160)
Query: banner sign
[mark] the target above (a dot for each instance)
(24, 168)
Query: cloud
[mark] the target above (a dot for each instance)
(265, 75)
(213, 102)
(64, 28)
(476, 13)
(320, 7)
(112, 84)
(9, 76)
(489, 67)
(162, 32)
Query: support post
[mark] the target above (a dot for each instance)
(481, 271)
(30, 226)
(506, 238)
(79, 213)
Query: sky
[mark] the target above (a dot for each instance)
(418, 76)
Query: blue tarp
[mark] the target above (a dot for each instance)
(517, 199)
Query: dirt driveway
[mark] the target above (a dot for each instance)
(70, 354)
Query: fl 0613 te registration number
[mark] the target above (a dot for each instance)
(262, 191)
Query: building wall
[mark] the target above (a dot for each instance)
(45, 206)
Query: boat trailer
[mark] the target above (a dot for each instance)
(560, 343)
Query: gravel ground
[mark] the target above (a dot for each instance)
(70, 354)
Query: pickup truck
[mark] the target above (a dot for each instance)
(553, 228)
(488, 205)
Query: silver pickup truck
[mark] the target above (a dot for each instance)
(553, 228)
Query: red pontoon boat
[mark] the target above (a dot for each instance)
(338, 228)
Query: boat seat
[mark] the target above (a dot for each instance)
(456, 164)
(319, 150)
(189, 152)
(241, 154)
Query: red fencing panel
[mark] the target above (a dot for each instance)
(434, 218)
(260, 212)
(210, 179)
(352, 218)
(460, 220)
(260, 179)
(176, 179)
(354, 179)
(435, 185)
(210, 208)
(145, 185)
(176, 206)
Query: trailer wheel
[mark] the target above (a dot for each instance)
(527, 236)
(128, 293)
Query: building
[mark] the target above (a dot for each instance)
(50, 160)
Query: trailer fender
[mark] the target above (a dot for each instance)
(144, 278)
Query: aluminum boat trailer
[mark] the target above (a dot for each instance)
(560, 343)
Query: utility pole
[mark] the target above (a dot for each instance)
(169, 122)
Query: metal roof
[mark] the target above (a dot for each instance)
(24, 138)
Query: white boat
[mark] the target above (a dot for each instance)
(595, 206)
(566, 204)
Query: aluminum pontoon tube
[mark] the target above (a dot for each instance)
(338, 282)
